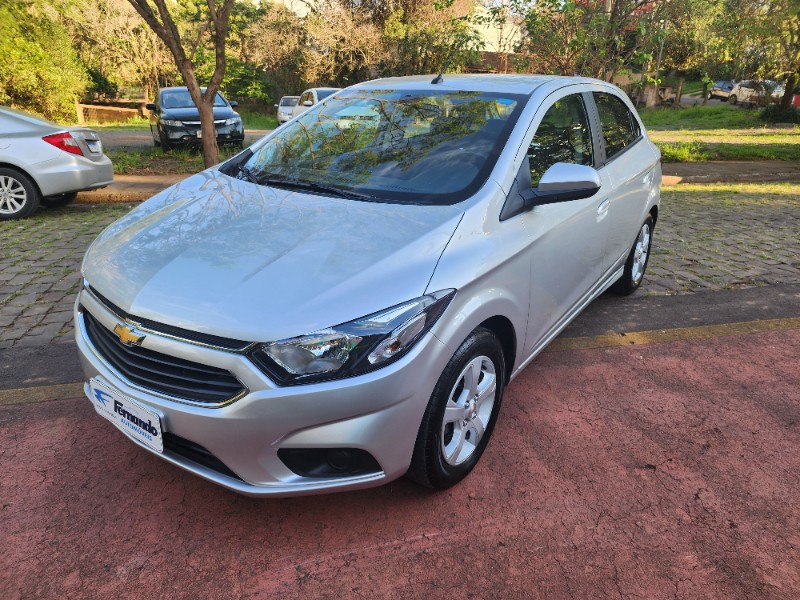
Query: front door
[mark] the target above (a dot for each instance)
(568, 239)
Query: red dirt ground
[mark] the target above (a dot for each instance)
(665, 471)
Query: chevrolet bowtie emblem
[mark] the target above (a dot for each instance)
(128, 336)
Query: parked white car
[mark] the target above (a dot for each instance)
(46, 163)
(310, 97)
(752, 91)
(284, 108)
(345, 302)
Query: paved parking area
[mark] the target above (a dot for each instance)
(709, 237)
(667, 471)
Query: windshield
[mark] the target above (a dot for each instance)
(322, 94)
(285, 101)
(420, 147)
(182, 99)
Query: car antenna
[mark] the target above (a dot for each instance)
(440, 77)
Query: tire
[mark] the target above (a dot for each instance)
(732, 99)
(59, 200)
(450, 443)
(164, 143)
(19, 196)
(638, 257)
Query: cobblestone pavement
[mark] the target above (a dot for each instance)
(708, 237)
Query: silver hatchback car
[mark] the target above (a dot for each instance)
(344, 302)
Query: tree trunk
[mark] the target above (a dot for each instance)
(788, 93)
(209, 132)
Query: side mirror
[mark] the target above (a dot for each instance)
(564, 182)
(275, 105)
(150, 106)
(308, 103)
(234, 103)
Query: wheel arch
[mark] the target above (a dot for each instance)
(7, 165)
(502, 327)
(654, 214)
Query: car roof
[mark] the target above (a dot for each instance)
(509, 84)
(179, 88)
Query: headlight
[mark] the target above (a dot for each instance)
(172, 123)
(233, 121)
(352, 348)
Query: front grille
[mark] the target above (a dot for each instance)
(159, 372)
(196, 453)
(178, 332)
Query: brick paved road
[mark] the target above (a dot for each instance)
(709, 237)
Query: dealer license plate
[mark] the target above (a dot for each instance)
(134, 420)
(95, 146)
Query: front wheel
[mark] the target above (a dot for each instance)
(635, 266)
(461, 413)
(733, 99)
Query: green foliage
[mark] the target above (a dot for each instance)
(426, 45)
(775, 114)
(40, 70)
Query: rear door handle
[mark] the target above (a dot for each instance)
(603, 206)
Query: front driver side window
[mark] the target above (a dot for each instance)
(562, 136)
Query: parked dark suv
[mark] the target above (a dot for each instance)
(175, 120)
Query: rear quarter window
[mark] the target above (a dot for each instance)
(620, 127)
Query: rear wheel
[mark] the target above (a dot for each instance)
(461, 413)
(19, 196)
(636, 264)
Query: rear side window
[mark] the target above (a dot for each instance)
(620, 128)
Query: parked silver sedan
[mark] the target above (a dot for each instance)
(46, 163)
(344, 302)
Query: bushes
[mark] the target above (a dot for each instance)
(40, 70)
(775, 114)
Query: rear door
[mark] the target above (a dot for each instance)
(627, 166)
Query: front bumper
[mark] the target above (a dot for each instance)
(379, 413)
(188, 134)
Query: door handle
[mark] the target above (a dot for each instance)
(603, 206)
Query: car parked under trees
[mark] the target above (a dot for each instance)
(344, 302)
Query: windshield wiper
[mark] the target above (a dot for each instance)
(247, 172)
(311, 186)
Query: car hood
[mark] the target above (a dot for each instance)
(191, 114)
(226, 257)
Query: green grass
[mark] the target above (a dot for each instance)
(700, 117)
(256, 120)
(153, 161)
(132, 123)
(699, 151)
